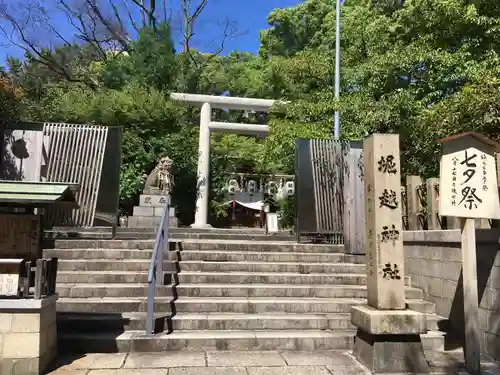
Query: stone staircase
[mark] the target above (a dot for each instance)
(241, 291)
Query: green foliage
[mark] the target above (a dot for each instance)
(423, 68)
(150, 60)
(286, 209)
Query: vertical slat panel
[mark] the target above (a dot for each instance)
(327, 170)
(328, 153)
(87, 175)
(53, 131)
(313, 153)
(76, 154)
(83, 160)
(96, 178)
(320, 188)
(64, 166)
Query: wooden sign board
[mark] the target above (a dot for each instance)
(468, 180)
(19, 236)
(468, 189)
(10, 270)
(272, 223)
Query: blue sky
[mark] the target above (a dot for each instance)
(250, 17)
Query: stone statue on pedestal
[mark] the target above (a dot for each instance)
(158, 186)
(160, 181)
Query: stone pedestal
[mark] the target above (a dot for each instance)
(388, 341)
(149, 212)
(28, 335)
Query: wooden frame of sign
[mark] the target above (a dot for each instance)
(468, 189)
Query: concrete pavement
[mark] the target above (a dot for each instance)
(240, 363)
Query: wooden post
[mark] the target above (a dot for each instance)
(413, 202)
(472, 346)
(496, 223)
(452, 222)
(468, 191)
(39, 279)
(433, 218)
(354, 201)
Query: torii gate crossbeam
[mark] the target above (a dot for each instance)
(208, 102)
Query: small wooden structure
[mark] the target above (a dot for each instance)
(468, 190)
(22, 266)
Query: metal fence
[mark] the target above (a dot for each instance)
(319, 179)
(75, 154)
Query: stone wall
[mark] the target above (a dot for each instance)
(433, 260)
(28, 335)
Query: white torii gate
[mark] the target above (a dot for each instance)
(208, 102)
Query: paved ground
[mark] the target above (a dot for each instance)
(238, 363)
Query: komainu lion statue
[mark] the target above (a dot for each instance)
(160, 180)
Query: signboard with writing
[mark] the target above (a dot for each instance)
(153, 200)
(468, 189)
(468, 180)
(383, 226)
(10, 270)
(19, 236)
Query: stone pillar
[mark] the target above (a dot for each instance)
(201, 214)
(388, 336)
(28, 335)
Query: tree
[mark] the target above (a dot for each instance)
(403, 63)
(105, 28)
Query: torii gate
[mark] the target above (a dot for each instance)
(208, 102)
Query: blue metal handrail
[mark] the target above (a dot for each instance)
(155, 271)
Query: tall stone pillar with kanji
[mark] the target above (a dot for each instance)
(388, 336)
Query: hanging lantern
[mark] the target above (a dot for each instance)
(251, 187)
(272, 188)
(232, 186)
(290, 188)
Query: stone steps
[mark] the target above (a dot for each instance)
(193, 277)
(100, 277)
(221, 290)
(109, 290)
(112, 305)
(210, 266)
(176, 236)
(233, 245)
(280, 290)
(204, 255)
(108, 254)
(219, 294)
(111, 322)
(137, 341)
(253, 305)
(258, 256)
(247, 266)
(177, 233)
(120, 322)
